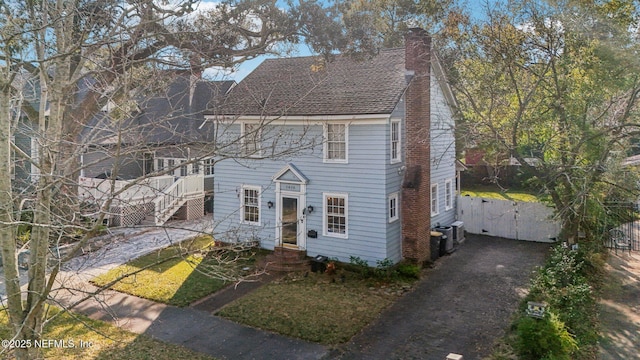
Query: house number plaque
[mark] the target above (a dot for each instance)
(290, 187)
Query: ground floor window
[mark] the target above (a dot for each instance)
(393, 207)
(448, 194)
(434, 200)
(250, 207)
(335, 215)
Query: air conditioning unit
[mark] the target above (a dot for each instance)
(448, 232)
(458, 231)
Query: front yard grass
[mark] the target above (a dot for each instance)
(107, 342)
(316, 307)
(179, 274)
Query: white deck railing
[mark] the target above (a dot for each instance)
(165, 192)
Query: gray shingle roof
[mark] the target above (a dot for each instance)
(311, 86)
(175, 116)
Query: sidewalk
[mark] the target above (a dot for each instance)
(193, 328)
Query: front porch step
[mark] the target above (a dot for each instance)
(287, 260)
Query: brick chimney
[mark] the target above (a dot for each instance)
(416, 186)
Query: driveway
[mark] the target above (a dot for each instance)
(461, 306)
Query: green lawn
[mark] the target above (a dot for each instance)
(180, 274)
(315, 308)
(107, 342)
(495, 193)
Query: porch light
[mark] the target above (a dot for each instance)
(270, 204)
(309, 209)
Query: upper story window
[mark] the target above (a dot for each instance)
(434, 200)
(335, 215)
(395, 141)
(250, 210)
(251, 139)
(336, 143)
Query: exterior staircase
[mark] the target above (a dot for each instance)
(167, 203)
(287, 260)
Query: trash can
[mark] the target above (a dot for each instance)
(435, 245)
(443, 245)
(319, 263)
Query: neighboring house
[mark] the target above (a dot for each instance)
(25, 104)
(162, 144)
(379, 169)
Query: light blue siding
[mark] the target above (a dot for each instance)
(362, 179)
(443, 152)
(394, 177)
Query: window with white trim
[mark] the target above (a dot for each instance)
(159, 164)
(448, 194)
(395, 141)
(434, 200)
(335, 215)
(250, 211)
(251, 139)
(208, 166)
(183, 168)
(393, 207)
(335, 145)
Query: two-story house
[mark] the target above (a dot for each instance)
(372, 165)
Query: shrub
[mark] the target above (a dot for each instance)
(408, 271)
(385, 269)
(360, 266)
(546, 338)
(564, 284)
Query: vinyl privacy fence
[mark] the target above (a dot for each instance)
(508, 219)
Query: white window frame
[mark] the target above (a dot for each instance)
(397, 157)
(253, 151)
(208, 167)
(325, 148)
(393, 207)
(325, 215)
(448, 194)
(435, 201)
(258, 190)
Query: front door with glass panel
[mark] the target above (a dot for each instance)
(290, 223)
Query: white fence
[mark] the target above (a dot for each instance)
(508, 219)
